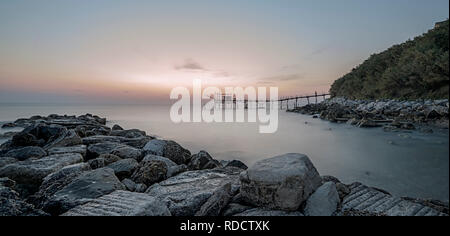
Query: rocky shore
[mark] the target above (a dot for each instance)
(78, 166)
(392, 115)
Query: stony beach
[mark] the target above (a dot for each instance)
(78, 166)
(393, 115)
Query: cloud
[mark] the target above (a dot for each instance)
(190, 64)
(290, 77)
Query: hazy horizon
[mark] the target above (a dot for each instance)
(134, 52)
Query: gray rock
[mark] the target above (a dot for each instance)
(141, 188)
(150, 172)
(109, 158)
(81, 149)
(69, 138)
(261, 212)
(7, 160)
(186, 193)
(168, 149)
(133, 133)
(95, 150)
(85, 188)
(217, 202)
(324, 201)
(22, 154)
(7, 182)
(364, 200)
(117, 127)
(235, 208)
(202, 161)
(56, 181)
(139, 142)
(30, 173)
(124, 168)
(121, 203)
(282, 182)
(8, 126)
(129, 184)
(97, 163)
(127, 152)
(12, 205)
(236, 163)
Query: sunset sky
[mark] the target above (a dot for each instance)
(136, 51)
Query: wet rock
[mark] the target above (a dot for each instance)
(216, 202)
(85, 188)
(324, 201)
(261, 212)
(129, 184)
(121, 203)
(29, 174)
(202, 161)
(124, 168)
(168, 149)
(22, 154)
(186, 193)
(81, 149)
(69, 138)
(283, 182)
(367, 124)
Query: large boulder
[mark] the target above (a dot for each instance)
(324, 201)
(121, 203)
(203, 161)
(168, 149)
(46, 136)
(24, 153)
(281, 183)
(29, 174)
(124, 168)
(56, 181)
(85, 188)
(133, 133)
(186, 193)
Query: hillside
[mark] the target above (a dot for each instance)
(416, 69)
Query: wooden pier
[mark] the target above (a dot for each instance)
(282, 100)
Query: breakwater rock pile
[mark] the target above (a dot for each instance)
(393, 115)
(78, 166)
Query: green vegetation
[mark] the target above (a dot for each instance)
(416, 69)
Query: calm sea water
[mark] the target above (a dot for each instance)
(406, 164)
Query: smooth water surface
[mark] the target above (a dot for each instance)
(405, 164)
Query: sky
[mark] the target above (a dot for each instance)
(136, 51)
